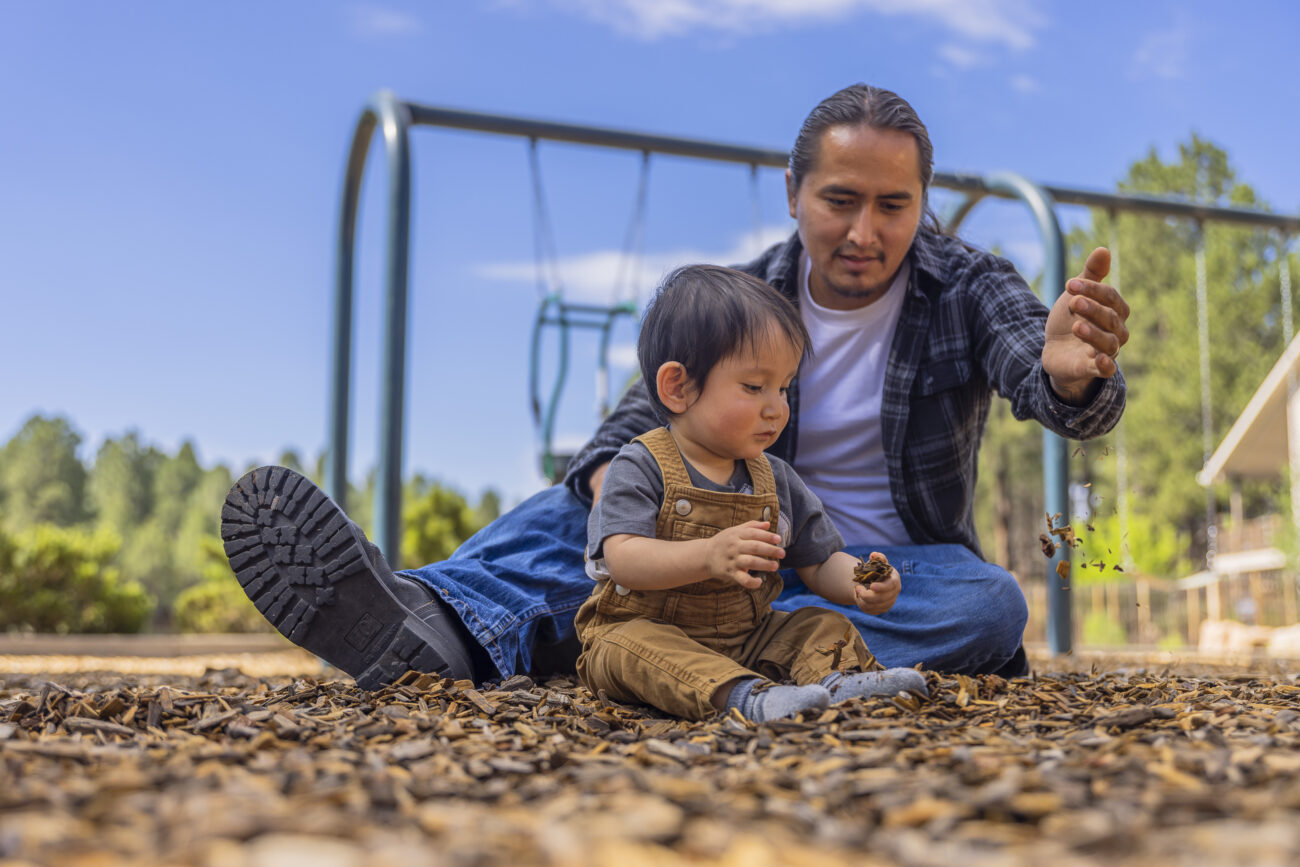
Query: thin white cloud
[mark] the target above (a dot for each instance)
(600, 277)
(378, 21)
(961, 56)
(1164, 53)
(1025, 84)
(1010, 23)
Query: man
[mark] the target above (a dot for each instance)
(911, 330)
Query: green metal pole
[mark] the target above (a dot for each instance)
(336, 456)
(1056, 474)
(391, 116)
(394, 122)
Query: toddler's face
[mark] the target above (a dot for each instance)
(742, 407)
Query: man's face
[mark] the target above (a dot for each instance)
(858, 209)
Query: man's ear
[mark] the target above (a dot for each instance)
(675, 388)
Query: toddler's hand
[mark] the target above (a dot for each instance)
(735, 551)
(878, 597)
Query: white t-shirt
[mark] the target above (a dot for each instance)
(840, 453)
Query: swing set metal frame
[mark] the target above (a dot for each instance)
(395, 117)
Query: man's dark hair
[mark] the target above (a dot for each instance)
(874, 107)
(702, 314)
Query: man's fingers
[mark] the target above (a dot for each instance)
(1097, 266)
(1102, 294)
(1100, 303)
(1099, 340)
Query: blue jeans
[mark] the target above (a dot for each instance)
(518, 583)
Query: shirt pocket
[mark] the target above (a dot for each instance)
(939, 375)
(938, 397)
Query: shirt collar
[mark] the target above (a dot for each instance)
(928, 261)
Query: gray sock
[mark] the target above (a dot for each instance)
(891, 681)
(775, 702)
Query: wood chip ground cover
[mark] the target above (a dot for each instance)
(1137, 766)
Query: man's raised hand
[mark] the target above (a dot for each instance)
(1085, 330)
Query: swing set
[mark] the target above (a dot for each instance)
(395, 118)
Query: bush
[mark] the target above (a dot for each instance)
(436, 521)
(217, 603)
(54, 579)
(1171, 641)
(1100, 630)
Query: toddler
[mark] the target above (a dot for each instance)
(693, 520)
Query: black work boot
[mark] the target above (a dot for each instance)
(320, 582)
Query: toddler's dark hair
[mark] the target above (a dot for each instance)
(702, 314)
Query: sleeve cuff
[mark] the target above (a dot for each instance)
(1094, 418)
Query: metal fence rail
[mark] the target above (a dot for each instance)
(396, 117)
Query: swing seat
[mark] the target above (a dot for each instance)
(555, 312)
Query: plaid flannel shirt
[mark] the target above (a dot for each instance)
(969, 325)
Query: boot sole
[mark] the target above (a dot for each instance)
(302, 563)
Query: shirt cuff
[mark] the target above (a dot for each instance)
(1095, 417)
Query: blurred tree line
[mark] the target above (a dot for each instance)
(132, 540)
(1158, 446)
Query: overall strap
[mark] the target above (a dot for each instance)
(664, 450)
(760, 475)
(672, 468)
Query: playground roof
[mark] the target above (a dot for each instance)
(1256, 445)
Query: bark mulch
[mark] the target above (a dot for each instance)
(1133, 766)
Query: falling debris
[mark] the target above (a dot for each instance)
(1064, 532)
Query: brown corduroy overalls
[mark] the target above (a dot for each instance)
(673, 648)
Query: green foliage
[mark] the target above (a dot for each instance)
(1152, 549)
(1172, 641)
(1162, 445)
(436, 521)
(489, 507)
(42, 481)
(217, 603)
(120, 487)
(55, 579)
(1157, 275)
(1099, 629)
(155, 517)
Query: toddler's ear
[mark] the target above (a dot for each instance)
(674, 386)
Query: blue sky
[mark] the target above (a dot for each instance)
(170, 175)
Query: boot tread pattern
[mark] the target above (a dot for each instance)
(292, 550)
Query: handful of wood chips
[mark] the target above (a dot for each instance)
(870, 570)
